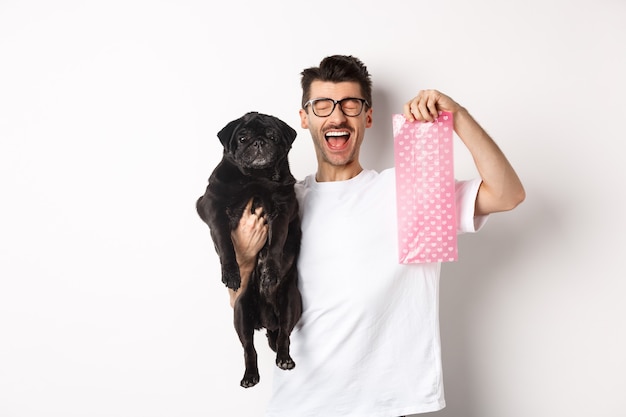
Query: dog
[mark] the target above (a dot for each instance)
(255, 166)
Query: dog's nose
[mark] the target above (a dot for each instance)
(259, 142)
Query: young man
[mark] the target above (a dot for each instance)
(367, 343)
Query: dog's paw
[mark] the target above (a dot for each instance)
(285, 362)
(249, 380)
(231, 277)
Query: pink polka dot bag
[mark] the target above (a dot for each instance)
(425, 190)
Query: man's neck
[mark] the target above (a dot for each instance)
(328, 173)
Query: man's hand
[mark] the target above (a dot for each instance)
(427, 104)
(248, 239)
(501, 188)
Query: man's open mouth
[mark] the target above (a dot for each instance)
(337, 140)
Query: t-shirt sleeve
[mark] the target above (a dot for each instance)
(465, 194)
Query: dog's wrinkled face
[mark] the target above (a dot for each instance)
(257, 141)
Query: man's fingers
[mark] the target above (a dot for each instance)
(426, 105)
(408, 115)
(249, 206)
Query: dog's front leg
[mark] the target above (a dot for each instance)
(224, 247)
(220, 226)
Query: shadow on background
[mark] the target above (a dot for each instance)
(484, 258)
(377, 150)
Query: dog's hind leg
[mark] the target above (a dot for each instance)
(271, 339)
(283, 358)
(245, 331)
(251, 375)
(290, 307)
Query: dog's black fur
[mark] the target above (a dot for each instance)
(255, 166)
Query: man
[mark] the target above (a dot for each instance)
(367, 343)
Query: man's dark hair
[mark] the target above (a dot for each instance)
(337, 68)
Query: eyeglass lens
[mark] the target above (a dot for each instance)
(349, 106)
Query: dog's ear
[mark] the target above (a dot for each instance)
(288, 131)
(227, 132)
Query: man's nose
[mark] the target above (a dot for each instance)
(337, 113)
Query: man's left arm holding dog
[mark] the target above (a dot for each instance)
(248, 239)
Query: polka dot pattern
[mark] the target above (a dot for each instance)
(425, 190)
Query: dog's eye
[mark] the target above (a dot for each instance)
(271, 135)
(242, 138)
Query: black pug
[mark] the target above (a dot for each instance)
(255, 166)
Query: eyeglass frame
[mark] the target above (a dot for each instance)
(363, 101)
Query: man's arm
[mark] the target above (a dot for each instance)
(248, 239)
(501, 188)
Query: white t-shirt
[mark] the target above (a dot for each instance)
(367, 343)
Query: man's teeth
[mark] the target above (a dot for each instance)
(337, 134)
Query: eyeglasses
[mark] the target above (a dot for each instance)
(324, 107)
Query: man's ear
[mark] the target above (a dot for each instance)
(369, 120)
(304, 120)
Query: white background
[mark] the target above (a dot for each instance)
(110, 298)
